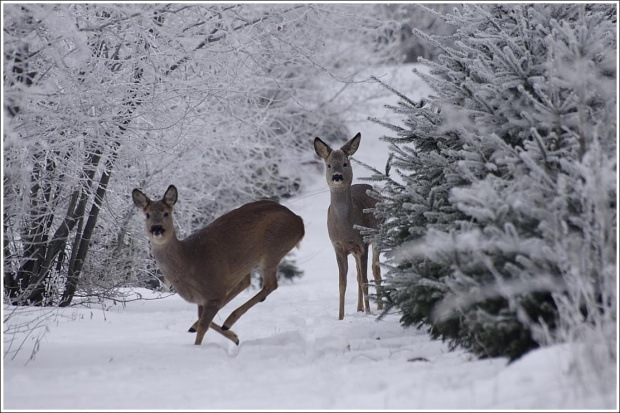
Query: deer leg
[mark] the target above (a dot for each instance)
(376, 273)
(229, 334)
(209, 311)
(343, 268)
(360, 294)
(270, 284)
(361, 261)
(194, 326)
(245, 283)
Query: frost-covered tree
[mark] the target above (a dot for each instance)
(397, 33)
(219, 99)
(501, 225)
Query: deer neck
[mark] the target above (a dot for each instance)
(170, 257)
(341, 207)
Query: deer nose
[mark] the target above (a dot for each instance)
(157, 230)
(337, 178)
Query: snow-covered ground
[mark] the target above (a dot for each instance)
(294, 353)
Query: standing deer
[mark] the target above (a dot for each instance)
(213, 265)
(346, 209)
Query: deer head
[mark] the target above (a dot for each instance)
(159, 224)
(339, 173)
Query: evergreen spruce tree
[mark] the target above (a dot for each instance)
(500, 221)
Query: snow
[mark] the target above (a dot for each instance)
(293, 354)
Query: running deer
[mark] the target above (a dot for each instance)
(346, 209)
(213, 265)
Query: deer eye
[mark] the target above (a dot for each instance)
(148, 216)
(329, 166)
(166, 215)
(345, 164)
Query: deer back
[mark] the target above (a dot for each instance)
(240, 239)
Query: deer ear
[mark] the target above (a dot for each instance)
(171, 195)
(321, 148)
(139, 199)
(350, 147)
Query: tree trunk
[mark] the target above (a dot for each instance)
(37, 233)
(75, 269)
(36, 288)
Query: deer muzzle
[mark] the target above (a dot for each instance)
(157, 230)
(337, 177)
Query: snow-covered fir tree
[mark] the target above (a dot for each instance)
(500, 210)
